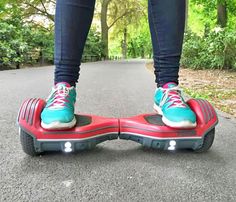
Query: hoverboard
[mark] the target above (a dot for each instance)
(90, 130)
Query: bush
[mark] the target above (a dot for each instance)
(12, 46)
(24, 43)
(217, 50)
(93, 46)
(41, 45)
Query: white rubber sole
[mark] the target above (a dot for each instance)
(58, 125)
(182, 124)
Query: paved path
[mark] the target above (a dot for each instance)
(115, 170)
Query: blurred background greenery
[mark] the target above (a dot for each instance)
(119, 30)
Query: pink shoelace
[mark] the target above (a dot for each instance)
(174, 95)
(58, 96)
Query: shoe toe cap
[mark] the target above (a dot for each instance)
(181, 115)
(63, 116)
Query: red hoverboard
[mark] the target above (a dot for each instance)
(146, 129)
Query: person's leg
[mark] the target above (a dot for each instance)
(166, 22)
(72, 23)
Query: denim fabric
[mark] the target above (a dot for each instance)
(72, 23)
(166, 22)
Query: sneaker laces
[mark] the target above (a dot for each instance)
(59, 96)
(172, 95)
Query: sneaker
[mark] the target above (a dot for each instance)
(174, 110)
(59, 110)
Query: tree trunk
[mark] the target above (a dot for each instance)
(133, 51)
(41, 57)
(142, 52)
(104, 27)
(124, 45)
(18, 63)
(222, 13)
(186, 15)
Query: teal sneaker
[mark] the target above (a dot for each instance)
(175, 112)
(59, 110)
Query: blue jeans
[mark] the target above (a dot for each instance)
(72, 23)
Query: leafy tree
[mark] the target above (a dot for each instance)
(12, 44)
(113, 12)
(217, 50)
(131, 35)
(124, 24)
(131, 21)
(222, 13)
(22, 42)
(210, 41)
(214, 12)
(94, 45)
(43, 8)
(140, 41)
(41, 45)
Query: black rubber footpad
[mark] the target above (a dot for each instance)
(155, 119)
(83, 120)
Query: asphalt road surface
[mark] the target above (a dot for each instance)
(115, 170)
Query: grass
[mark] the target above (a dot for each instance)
(215, 96)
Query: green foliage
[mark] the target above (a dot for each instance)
(138, 34)
(202, 12)
(216, 50)
(21, 43)
(24, 43)
(94, 45)
(12, 44)
(139, 44)
(40, 45)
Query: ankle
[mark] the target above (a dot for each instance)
(68, 83)
(165, 84)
